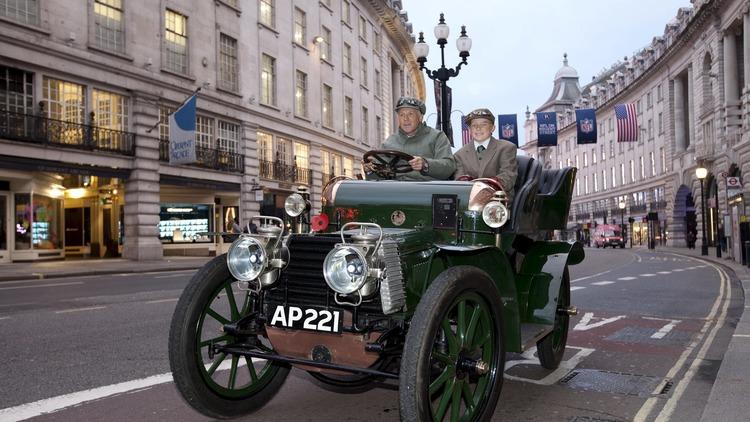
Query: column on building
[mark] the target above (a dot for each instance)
(249, 203)
(690, 134)
(732, 110)
(142, 187)
(746, 67)
(679, 114)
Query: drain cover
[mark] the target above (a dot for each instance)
(611, 382)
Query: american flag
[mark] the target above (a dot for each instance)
(627, 123)
(465, 134)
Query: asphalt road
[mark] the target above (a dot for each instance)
(647, 343)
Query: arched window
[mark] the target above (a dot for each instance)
(708, 83)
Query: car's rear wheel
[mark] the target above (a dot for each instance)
(551, 348)
(454, 354)
(217, 384)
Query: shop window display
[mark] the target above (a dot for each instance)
(37, 223)
(185, 223)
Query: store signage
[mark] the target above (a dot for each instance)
(179, 210)
(734, 186)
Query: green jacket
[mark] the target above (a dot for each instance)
(430, 144)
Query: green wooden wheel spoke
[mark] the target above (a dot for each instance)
(468, 397)
(450, 336)
(484, 339)
(216, 316)
(445, 400)
(214, 340)
(251, 369)
(442, 358)
(473, 322)
(247, 302)
(456, 400)
(233, 373)
(216, 363)
(461, 322)
(440, 380)
(232, 303)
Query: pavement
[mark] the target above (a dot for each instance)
(728, 400)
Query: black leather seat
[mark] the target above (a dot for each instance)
(526, 188)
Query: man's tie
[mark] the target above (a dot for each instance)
(480, 148)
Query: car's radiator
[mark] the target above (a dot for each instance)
(302, 282)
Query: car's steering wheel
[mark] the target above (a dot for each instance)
(386, 163)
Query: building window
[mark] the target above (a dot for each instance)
(363, 66)
(378, 128)
(325, 46)
(363, 28)
(327, 106)
(577, 166)
(268, 13)
(602, 152)
(64, 101)
(110, 110)
(109, 30)
(164, 113)
(643, 169)
(16, 92)
(596, 182)
(377, 41)
(300, 94)
(347, 59)
(593, 155)
(228, 63)
(378, 84)
(604, 179)
(268, 80)
(346, 12)
(265, 146)
(650, 129)
(348, 117)
(300, 26)
(21, 11)
(649, 100)
(659, 95)
(632, 171)
(610, 125)
(302, 155)
(175, 42)
(365, 125)
(653, 163)
(348, 167)
(204, 132)
(578, 187)
(585, 159)
(663, 156)
(622, 174)
(229, 137)
(639, 106)
(661, 124)
(283, 154)
(611, 149)
(614, 177)
(586, 185)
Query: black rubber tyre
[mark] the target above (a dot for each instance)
(210, 300)
(343, 384)
(458, 321)
(551, 348)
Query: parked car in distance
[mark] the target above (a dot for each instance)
(608, 235)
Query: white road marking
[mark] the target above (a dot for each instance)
(54, 404)
(42, 285)
(90, 308)
(733, 335)
(603, 283)
(4, 317)
(565, 366)
(627, 278)
(663, 331)
(585, 325)
(681, 386)
(163, 300)
(647, 275)
(664, 272)
(678, 270)
(577, 288)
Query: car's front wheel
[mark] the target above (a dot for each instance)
(217, 384)
(454, 354)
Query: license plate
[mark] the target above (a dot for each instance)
(307, 318)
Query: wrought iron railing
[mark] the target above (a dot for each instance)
(43, 130)
(276, 170)
(215, 159)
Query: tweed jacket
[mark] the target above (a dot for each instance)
(498, 160)
(430, 144)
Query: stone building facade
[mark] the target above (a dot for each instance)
(691, 90)
(290, 93)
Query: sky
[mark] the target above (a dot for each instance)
(518, 45)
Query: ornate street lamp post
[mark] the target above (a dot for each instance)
(701, 173)
(622, 221)
(421, 49)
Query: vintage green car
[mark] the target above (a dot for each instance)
(427, 283)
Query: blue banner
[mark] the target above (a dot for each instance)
(182, 134)
(507, 127)
(546, 127)
(586, 124)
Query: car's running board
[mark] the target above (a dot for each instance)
(532, 333)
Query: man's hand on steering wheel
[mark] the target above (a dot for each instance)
(387, 163)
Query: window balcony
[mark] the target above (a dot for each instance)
(276, 170)
(210, 158)
(46, 131)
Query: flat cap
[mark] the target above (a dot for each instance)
(480, 113)
(411, 102)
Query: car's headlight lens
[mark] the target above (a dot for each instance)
(345, 269)
(246, 259)
(295, 205)
(495, 214)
